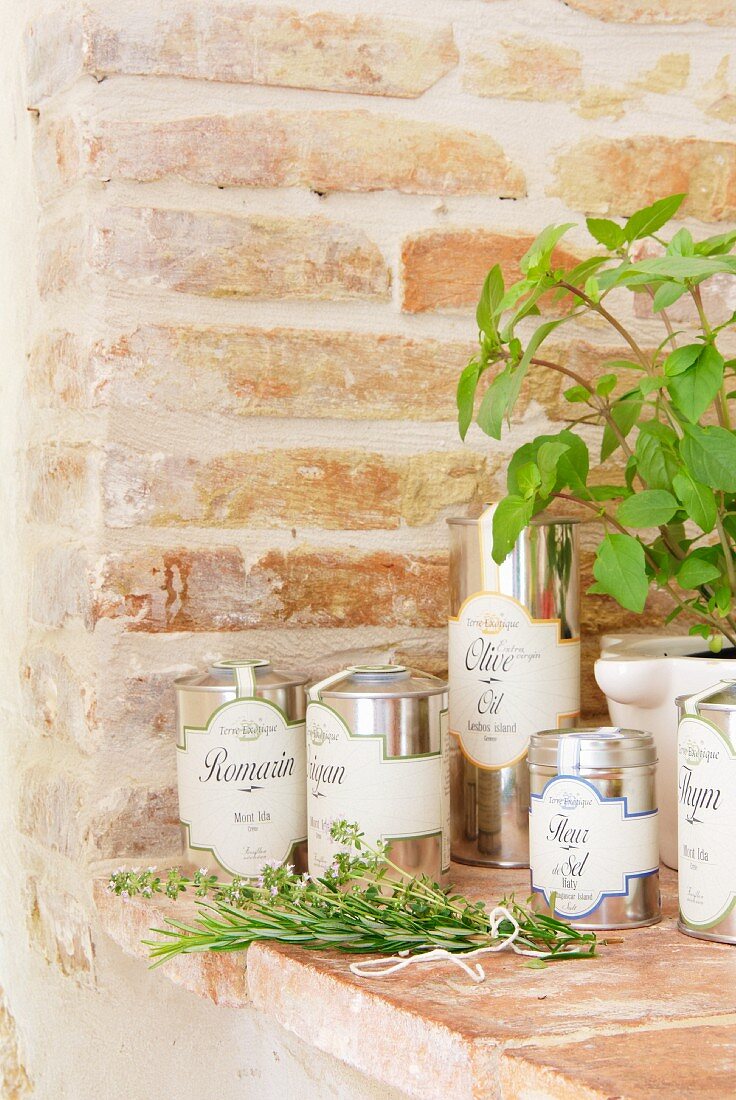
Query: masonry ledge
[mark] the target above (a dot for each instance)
(624, 1025)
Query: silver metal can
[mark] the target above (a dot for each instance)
(514, 668)
(706, 834)
(241, 764)
(593, 839)
(377, 754)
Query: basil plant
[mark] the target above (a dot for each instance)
(669, 520)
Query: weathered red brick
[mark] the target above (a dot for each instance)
(248, 44)
(445, 269)
(323, 150)
(58, 701)
(720, 12)
(520, 67)
(213, 589)
(283, 372)
(618, 176)
(62, 484)
(335, 489)
(275, 45)
(226, 256)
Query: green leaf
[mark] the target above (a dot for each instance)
(656, 460)
(624, 413)
(490, 298)
(576, 394)
(697, 499)
(606, 232)
(466, 387)
(710, 455)
(537, 256)
(548, 458)
(529, 479)
(681, 358)
(681, 244)
(684, 267)
(509, 520)
(623, 364)
(666, 295)
(606, 384)
(694, 389)
(620, 571)
(572, 465)
(496, 402)
(650, 508)
(651, 218)
(718, 245)
(650, 385)
(695, 571)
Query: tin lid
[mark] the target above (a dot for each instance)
(721, 696)
(596, 747)
(380, 681)
(222, 675)
(542, 519)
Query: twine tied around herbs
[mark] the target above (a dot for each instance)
(389, 965)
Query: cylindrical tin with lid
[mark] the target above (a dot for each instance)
(377, 755)
(706, 782)
(593, 841)
(514, 668)
(241, 763)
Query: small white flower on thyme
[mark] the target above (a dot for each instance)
(150, 870)
(274, 891)
(203, 871)
(124, 894)
(335, 868)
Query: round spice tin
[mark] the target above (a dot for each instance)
(593, 838)
(514, 668)
(377, 755)
(241, 764)
(706, 781)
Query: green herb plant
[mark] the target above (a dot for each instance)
(669, 521)
(363, 904)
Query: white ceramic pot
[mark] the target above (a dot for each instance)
(641, 676)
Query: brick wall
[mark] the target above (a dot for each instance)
(261, 234)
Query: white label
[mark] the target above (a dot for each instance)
(510, 676)
(390, 798)
(584, 847)
(241, 785)
(706, 780)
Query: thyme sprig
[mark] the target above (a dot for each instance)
(363, 904)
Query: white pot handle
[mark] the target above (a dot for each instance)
(632, 681)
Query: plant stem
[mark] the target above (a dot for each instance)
(603, 312)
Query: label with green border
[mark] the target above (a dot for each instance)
(390, 797)
(241, 785)
(706, 781)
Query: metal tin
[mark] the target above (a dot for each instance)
(241, 763)
(593, 838)
(706, 835)
(514, 668)
(377, 754)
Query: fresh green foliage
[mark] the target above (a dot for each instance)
(364, 904)
(668, 520)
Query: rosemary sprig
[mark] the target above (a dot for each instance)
(364, 904)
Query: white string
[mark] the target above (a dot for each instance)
(383, 968)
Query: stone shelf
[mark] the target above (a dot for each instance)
(654, 1016)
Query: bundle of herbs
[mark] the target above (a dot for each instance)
(365, 904)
